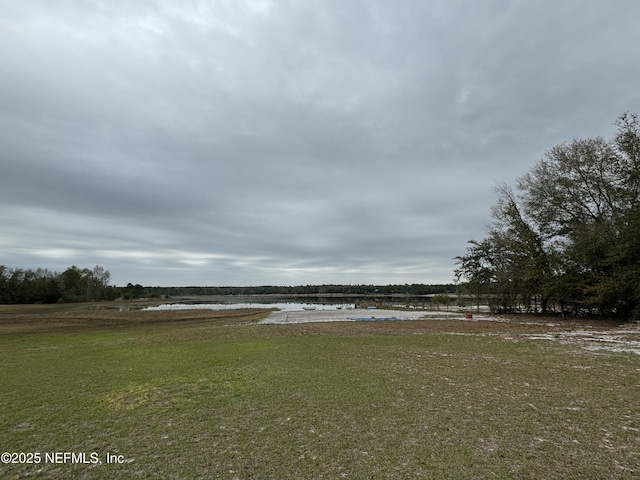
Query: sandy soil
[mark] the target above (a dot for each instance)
(591, 335)
(622, 339)
(352, 315)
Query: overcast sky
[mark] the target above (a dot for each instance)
(288, 142)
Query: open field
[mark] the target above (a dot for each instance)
(217, 394)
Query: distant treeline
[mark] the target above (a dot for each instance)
(138, 291)
(18, 285)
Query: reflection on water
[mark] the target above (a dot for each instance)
(284, 306)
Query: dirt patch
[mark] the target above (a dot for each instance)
(592, 335)
(622, 339)
(82, 317)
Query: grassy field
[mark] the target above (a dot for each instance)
(204, 394)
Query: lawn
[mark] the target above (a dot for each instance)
(205, 394)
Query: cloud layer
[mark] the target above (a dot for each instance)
(288, 142)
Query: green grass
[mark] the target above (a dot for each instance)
(221, 397)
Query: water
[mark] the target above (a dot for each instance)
(284, 306)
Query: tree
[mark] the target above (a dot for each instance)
(512, 264)
(72, 284)
(98, 283)
(569, 235)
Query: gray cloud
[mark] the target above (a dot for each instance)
(288, 142)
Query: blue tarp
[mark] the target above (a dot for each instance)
(376, 318)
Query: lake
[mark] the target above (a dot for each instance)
(284, 306)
